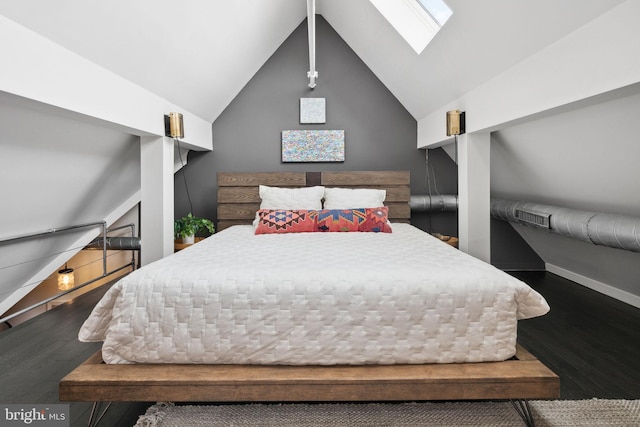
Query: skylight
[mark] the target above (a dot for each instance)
(438, 10)
(417, 21)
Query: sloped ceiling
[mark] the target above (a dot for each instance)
(197, 54)
(481, 39)
(200, 53)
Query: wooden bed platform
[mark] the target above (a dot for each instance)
(523, 377)
(517, 379)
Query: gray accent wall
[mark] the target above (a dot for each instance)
(379, 132)
(379, 135)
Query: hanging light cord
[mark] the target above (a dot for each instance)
(430, 171)
(184, 176)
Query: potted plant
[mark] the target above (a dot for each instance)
(188, 226)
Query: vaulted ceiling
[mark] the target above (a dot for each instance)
(200, 53)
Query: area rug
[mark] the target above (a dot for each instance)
(556, 413)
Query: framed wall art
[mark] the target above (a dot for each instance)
(312, 146)
(313, 110)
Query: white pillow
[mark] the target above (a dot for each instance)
(291, 198)
(353, 198)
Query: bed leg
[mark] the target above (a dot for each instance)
(93, 421)
(524, 410)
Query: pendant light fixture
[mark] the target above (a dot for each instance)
(65, 278)
(312, 74)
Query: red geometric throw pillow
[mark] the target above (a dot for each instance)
(377, 220)
(362, 219)
(272, 221)
(331, 220)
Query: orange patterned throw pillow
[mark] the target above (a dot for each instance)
(365, 219)
(377, 220)
(272, 221)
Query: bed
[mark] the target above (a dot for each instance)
(312, 316)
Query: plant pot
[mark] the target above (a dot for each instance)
(188, 240)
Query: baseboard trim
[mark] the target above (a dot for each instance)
(597, 286)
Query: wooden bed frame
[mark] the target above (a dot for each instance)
(518, 379)
(238, 198)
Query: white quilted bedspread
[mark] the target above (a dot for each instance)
(313, 298)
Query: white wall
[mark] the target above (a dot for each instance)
(44, 71)
(590, 64)
(562, 123)
(63, 171)
(583, 159)
(56, 172)
(71, 151)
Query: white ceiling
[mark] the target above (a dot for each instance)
(200, 53)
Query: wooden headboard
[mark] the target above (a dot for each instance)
(238, 197)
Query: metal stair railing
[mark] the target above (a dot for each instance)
(53, 231)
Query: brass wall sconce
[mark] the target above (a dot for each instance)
(455, 122)
(174, 125)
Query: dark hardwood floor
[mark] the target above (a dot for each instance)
(590, 340)
(35, 355)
